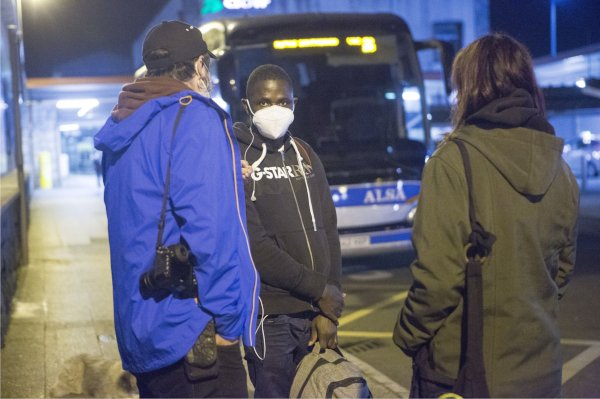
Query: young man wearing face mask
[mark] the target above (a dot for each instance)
(166, 135)
(293, 235)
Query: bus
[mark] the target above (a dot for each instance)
(361, 106)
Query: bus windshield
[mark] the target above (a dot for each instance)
(350, 104)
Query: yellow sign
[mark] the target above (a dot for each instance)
(367, 44)
(306, 43)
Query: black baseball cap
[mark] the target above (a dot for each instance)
(181, 40)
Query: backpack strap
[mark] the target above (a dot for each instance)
(301, 146)
(343, 383)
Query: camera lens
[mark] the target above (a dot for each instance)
(146, 286)
(181, 253)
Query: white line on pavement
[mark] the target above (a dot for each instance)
(580, 361)
(359, 314)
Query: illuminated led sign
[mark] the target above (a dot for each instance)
(306, 43)
(367, 44)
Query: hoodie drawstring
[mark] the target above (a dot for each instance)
(254, 166)
(256, 163)
(300, 159)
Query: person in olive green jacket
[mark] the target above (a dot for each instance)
(524, 194)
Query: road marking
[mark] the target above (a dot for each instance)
(570, 368)
(579, 362)
(581, 342)
(359, 314)
(371, 275)
(376, 380)
(582, 360)
(365, 334)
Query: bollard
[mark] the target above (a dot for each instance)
(45, 169)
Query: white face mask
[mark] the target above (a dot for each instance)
(272, 122)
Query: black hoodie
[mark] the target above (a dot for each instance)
(294, 254)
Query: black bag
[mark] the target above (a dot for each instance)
(470, 382)
(201, 362)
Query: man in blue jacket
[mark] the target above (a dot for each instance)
(166, 134)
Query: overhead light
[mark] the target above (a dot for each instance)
(591, 87)
(411, 95)
(85, 105)
(69, 127)
(586, 137)
(77, 103)
(580, 83)
(84, 110)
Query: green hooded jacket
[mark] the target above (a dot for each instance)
(526, 195)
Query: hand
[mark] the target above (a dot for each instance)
(225, 342)
(331, 302)
(246, 170)
(325, 331)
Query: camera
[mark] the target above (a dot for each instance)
(171, 273)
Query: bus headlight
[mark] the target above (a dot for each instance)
(410, 217)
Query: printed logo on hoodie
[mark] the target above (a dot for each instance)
(280, 172)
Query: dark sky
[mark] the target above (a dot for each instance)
(577, 23)
(70, 32)
(95, 37)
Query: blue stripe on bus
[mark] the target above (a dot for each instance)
(393, 193)
(404, 236)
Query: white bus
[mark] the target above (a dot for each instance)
(361, 107)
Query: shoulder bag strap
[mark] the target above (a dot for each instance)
(183, 102)
(471, 380)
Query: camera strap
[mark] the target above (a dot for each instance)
(183, 102)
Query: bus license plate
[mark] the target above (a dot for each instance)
(354, 242)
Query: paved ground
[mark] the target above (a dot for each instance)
(63, 305)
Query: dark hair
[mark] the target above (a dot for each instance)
(182, 71)
(491, 67)
(267, 72)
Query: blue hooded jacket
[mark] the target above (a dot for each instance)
(205, 208)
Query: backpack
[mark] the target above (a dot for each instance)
(328, 375)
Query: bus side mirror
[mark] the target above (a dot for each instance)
(446, 51)
(228, 84)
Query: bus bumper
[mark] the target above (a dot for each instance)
(376, 242)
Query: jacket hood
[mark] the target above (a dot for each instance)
(117, 134)
(136, 94)
(518, 141)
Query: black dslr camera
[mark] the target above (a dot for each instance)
(172, 273)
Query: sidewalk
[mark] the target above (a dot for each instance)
(63, 305)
